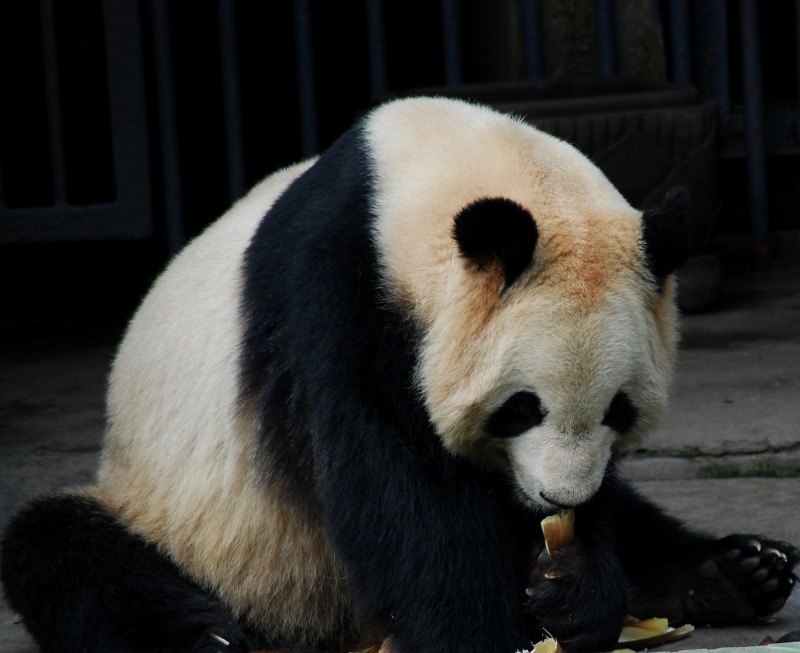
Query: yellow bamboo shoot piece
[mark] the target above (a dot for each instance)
(558, 529)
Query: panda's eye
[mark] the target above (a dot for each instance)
(521, 412)
(621, 414)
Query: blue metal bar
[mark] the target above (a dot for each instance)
(680, 42)
(754, 129)
(532, 34)
(309, 133)
(53, 96)
(128, 113)
(451, 38)
(168, 127)
(606, 45)
(376, 46)
(711, 54)
(3, 204)
(797, 44)
(231, 99)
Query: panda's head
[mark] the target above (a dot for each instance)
(545, 301)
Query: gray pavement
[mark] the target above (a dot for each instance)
(726, 457)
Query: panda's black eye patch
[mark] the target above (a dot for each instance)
(521, 412)
(621, 414)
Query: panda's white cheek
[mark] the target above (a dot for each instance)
(559, 469)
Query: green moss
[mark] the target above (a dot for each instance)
(759, 470)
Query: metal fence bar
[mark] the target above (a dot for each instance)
(711, 54)
(680, 42)
(168, 127)
(754, 128)
(451, 40)
(532, 31)
(376, 46)
(231, 99)
(3, 203)
(606, 44)
(797, 49)
(309, 133)
(53, 96)
(130, 134)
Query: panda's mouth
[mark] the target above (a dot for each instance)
(538, 503)
(556, 505)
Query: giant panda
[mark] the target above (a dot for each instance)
(342, 411)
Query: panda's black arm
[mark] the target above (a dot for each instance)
(432, 559)
(690, 576)
(585, 603)
(655, 548)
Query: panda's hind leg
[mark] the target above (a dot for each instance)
(81, 581)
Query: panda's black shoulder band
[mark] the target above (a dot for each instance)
(497, 229)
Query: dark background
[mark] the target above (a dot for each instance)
(97, 275)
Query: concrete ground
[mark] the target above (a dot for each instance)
(726, 458)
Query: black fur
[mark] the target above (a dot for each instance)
(395, 503)
(84, 583)
(665, 232)
(497, 229)
(621, 414)
(518, 414)
(629, 557)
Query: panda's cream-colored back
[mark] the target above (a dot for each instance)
(178, 457)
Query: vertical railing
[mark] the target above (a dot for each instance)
(754, 128)
(711, 68)
(451, 41)
(376, 48)
(680, 48)
(168, 127)
(698, 52)
(54, 107)
(120, 205)
(710, 60)
(532, 41)
(606, 37)
(797, 58)
(304, 48)
(231, 99)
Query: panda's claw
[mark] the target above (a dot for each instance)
(220, 639)
(753, 545)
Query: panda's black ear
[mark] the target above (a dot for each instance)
(496, 229)
(665, 232)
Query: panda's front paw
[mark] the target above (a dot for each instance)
(746, 577)
(574, 599)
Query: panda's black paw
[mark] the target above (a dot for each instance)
(574, 599)
(746, 577)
